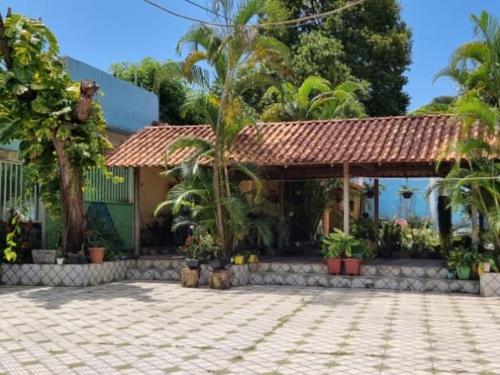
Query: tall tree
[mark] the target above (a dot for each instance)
(375, 46)
(225, 50)
(155, 76)
(59, 125)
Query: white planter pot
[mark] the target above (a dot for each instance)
(60, 261)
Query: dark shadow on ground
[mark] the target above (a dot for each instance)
(55, 297)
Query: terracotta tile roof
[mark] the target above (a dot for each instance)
(379, 140)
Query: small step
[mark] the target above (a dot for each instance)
(422, 272)
(365, 282)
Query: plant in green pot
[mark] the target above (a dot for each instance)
(461, 261)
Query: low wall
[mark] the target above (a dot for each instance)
(64, 275)
(81, 275)
(489, 284)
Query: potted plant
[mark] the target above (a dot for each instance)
(96, 245)
(407, 191)
(390, 239)
(462, 260)
(239, 259)
(332, 253)
(342, 244)
(253, 257)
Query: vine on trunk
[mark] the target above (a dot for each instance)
(59, 125)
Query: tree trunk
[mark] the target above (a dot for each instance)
(72, 206)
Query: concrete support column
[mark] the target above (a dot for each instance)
(376, 204)
(137, 212)
(326, 221)
(347, 208)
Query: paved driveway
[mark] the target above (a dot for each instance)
(158, 328)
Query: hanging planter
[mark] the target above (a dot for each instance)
(370, 194)
(407, 191)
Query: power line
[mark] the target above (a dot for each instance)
(173, 13)
(205, 8)
(268, 25)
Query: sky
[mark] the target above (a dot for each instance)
(102, 32)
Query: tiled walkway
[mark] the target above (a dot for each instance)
(159, 328)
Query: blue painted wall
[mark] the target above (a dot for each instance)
(126, 107)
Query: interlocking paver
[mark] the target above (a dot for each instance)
(161, 328)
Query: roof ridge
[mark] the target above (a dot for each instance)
(372, 118)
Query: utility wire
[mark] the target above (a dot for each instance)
(205, 8)
(268, 25)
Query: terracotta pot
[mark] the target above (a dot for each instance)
(96, 254)
(352, 266)
(334, 265)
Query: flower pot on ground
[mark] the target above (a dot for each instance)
(238, 259)
(60, 261)
(44, 256)
(334, 266)
(461, 261)
(253, 258)
(463, 272)
(96, 255)
(334, 246)
(219, 279)
(352, 266)
(218, 263)
(193, 264)
(190, 278)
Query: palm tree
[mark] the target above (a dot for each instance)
(226, 49)
(475, 67)
(314, 99)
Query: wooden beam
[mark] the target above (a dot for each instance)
(376, 203)
(137, 212)
(347, 208)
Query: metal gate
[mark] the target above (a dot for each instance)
(12, 193)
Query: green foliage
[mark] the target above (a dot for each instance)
(370, 40)
(475, 68)
(200, 245)
(314, 99)
(438, 105)
(170, 86)
(338, 244)
(12, 237)
(460, 257)
(191, 202)
(390, 236)
(420, 239)
(37, 107)
(226, 51)
(317, 54)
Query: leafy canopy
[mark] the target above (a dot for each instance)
(37, 106)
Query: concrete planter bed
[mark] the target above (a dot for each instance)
(64, 274)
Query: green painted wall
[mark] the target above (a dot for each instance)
(123, 219)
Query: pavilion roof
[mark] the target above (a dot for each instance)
(378, 146)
